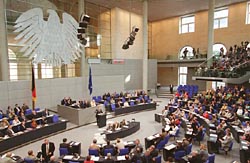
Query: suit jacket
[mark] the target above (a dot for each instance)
(10, 132)
(51, 149)
(64, 145)
(108, 161)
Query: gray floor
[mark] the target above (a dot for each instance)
(85, 134)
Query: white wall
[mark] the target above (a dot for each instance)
(120, 30)
(105, 78)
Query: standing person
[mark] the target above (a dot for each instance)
(48, 149)
(185, 53)
(171, 88)
(97, 112)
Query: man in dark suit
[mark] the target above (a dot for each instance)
(10, 132)
(48, 149)
(171, 88)
(65, 144)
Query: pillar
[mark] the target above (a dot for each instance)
(4, 66)
(83, 68)
(145, 46)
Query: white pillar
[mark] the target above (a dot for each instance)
(81, 11)
(210, 41)
(145, 46)
(4, 67)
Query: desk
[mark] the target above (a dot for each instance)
(123, 132)
(244, 151)
(102, 120)
(151, 139)
(158, 117)
(17, 140)
(81, 159)
(236, 132)
(75, 147)
(168, 151)
(78, 116)
(212, 145)
(136, 108)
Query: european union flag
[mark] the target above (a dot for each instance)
(90, 81)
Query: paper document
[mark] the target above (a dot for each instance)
(68, 157)
(169, 147)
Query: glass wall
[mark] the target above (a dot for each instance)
(98, 34)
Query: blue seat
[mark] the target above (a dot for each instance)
(110, 150)
(37, 109)
(28, 111)
(158, 159)
(1, 116)
(63, 151)
(74, 162)
(132, 103)
(55, 118)
(160, 145)
(211, 158)
(93, 152)
(28, 160)
(166, 139)
(124, 151)
(179, 154)
(189, 149)
(113, 107)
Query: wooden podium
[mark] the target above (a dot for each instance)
(101, 120)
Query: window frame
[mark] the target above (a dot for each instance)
(219, 19)
(248, 13)
(181, 24)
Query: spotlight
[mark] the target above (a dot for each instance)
(135, 29)
(125, 46)
(83, 41)
(130, 41)
(85, 18)
(83, 24)
(81, 30)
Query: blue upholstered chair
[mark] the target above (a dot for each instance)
(28, 111)
(93, 152)
(158, 159)
(161, 145)
(110, 150)
(63, 151)
(211, 158)
(123, 151)
(55, 118)
(189, 149)
(27, 160)
(113, 107)
(179, 154)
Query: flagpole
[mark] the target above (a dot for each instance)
(33, 89)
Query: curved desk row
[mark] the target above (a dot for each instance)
(25, 137)
(135, 108)
(123, 132)
(78, 116)
(68, 158)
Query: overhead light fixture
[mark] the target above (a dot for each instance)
(83, 24)
(130, 40)
(85, 18)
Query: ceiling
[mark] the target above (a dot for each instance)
(162, 9)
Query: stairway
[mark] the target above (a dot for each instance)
(163, 92)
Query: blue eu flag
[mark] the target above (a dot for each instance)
(90, 81)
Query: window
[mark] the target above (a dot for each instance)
(248, 13)
(189, 53)
(47, 71)
(13, 73)
(217, 84)
(216, 49)
(221, 18)
(186, 24)
(183, 75)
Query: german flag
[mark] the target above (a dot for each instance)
(33, 86)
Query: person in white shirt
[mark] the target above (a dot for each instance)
(174, 130)
(126, 104)
(15, 121)
(119, 144)
(239, 111)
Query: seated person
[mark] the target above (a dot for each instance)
(137, 144)
(137, 155)
(119, 145)
(109, 159)
(173, 130)
(88, 160)
(22, 117)
(64, 144)
(22, 127)
(226, 141)
(33, 115)
(94, 145)
(44, 121)
(236, 121)
(203, 152)
(123, 123)
(198, 135)
(115, 126)
(110, 127)
(109, 146)
(194, 157)
(10, 132)
(7, 158)
(33, 123)
(151, 153)
(31, 156)
(15, 121)
(179, 147)
(4, 123)
(126, 104)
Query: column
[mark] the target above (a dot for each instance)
(145, 47)
(83, 61)
(4, 67)
(210, 41)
